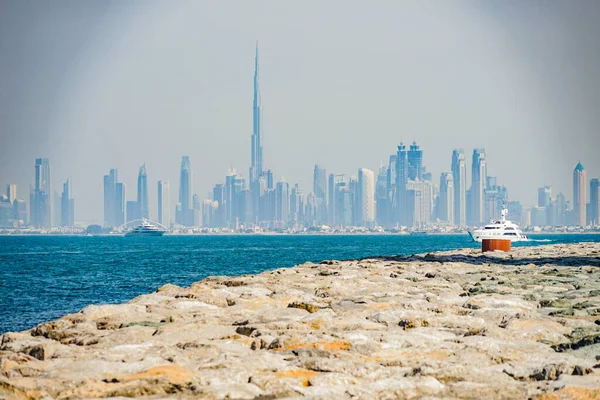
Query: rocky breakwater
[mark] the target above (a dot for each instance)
(458, 324)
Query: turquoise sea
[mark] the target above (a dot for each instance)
(45, 277)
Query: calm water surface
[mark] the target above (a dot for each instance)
(45, 277)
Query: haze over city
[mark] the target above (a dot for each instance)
(95, 86)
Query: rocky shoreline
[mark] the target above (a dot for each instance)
(457, 324)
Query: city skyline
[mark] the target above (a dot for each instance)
(328, 111)
(403, 194)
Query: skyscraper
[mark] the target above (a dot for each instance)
(41, 196)
(67, 205)
(282, 204)
(544, 196)
(110, 182)
(392, 195)
(366, 196)
(459, 178)
(142, 193)
(164, 203)
(185, 215)
(446, 198)
(382, 204)
(478, 185)
(415, 162)
(320, 192)
(594, 217)
(579, 195)
(401, 182)
(114, 200)
(11, 192)
(296, 216)
(119, 204)
(256, 167)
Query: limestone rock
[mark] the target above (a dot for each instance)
(456, 324)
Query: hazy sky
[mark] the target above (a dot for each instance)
(94, 85)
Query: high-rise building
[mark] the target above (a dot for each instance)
(594, 217)
(579, 195)
(382, 203)
(110, 182)
(561, 209)
(296, 216)
(495, 197)
(320, 192)
(120, 204)
(392, 216)
(366, 197)
(6, 211)
(333, 210)
(41, 196)
(219, 198)
(544, 196)
(401, 182)
(185, 214)
(11, 192)
(209, 209)
(114, 200)
(282, 204)
(164, 203)
(459, 178)
(142, 193)
(67, 205)
(478, 185)
(415, 162)
(256, 167)
(446, 198)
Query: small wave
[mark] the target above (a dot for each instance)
(540, 240)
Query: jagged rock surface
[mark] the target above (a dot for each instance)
(457, 324)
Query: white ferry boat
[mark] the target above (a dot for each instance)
(145, 229)
(500, 229)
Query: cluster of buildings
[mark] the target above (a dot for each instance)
(46, 207)
(401, 195)
(557, 211)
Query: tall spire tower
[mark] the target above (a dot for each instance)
(256, 167)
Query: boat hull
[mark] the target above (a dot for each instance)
(152, 233)
(478, 237)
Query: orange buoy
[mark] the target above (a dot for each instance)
(495, 244)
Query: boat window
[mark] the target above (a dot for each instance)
(510, 234)
(509, 228)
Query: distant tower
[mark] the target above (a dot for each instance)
(142, 193)
(478, 185)
(320, 191)
(579, 195)
(544, 196)
(446, 198)
(415, 162)
(186, 190)
(11, 192)
(366, 187)
(67, 205)
(41, 197)
(282, 203)
(110, 206)
(594, 218)
(459, 178)
(256, 167)
(164, 203)
(401, 182)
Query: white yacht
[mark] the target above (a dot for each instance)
(500, 229)
(146, 229)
